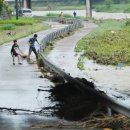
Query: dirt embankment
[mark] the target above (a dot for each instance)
(74, 104)
(83, 106)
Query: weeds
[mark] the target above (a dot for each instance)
(21, 21)
(56, 15)
(108, 44)
(14, 29)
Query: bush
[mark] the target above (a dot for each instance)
(57, 15)
(52, 14)
(7, 27)
(68, 16)
(20, 21)
(128, 22)
(109, 44)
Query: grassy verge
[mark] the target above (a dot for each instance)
(113, 8)
(97, 7)
(64, 16)
(57, 15)
(109, 44)
(14, 29)
(45, 8)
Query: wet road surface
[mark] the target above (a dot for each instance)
(19, 84)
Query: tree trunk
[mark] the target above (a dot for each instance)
(88, 8)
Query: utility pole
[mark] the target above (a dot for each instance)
(88, 8)
(16, 8)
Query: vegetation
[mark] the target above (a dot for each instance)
(49, 47)
(68, 7)
(98, 5)
(67, 16)
(56, 15)
(109, 44)
(4, 8)
(22, 21)
(124, 8)
(13, 29)
(80, 64)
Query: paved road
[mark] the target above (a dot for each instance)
(18, 88)
(19, 83)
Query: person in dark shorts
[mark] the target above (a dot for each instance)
(16, 52)
(32, 46)
(74, 13)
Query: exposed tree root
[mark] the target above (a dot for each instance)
(13, 110)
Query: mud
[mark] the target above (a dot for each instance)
(88, 109)
(73, 104)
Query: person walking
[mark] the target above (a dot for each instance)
(74, 13)
(16, 52)
(32, 46)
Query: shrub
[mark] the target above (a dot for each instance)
(20, 21)
(57, 15)
(7, 27)
(52, 14)
(128, 22)
(68, 16)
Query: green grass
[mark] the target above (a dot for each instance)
(97, 7)
(109, 44)
(47, 49)
(7, 27)
(56, 15)
(80, 64)
(67, 16)
(21, 21)
(45, 8)
(113, 8)
(52, 14)
(20, 28)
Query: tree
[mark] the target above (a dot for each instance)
(88, 8)
(108, 3)
(3, 6)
